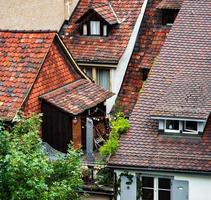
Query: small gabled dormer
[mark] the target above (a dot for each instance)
(180, 126)
(169, 10)
(97, 21)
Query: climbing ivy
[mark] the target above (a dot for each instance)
(119, 125)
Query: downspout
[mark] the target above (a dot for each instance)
(125, 59)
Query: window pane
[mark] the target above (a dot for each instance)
(190, 126)
(147, 194)
(95, 27)
(89, 72)
(84, 29)
(104, 30)
(164, 183)
(172, 124)
(148, 182)
(164, 195)
(104, 78)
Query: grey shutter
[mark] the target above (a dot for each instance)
(180, 190)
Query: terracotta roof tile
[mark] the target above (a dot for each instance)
(78, 96)
(185, 58)
(105, 11)
(21, 56)
(102, 49)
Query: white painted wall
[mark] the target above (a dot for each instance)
(199, 186)
(124, 60)
(34, 14)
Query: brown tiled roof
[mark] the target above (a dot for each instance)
(103, 49)
(105, 11)
(148, 45)
(187, 97)
(78, 96)
(170, 4)
(184, 58)
(22, 54)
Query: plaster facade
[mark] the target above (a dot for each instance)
(35, 14)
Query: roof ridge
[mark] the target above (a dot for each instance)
(28, 31)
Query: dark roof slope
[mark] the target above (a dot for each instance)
(102, 49)
(170, 4)
(22, 54)
(78, 96)
(185, 55)
(148, 45)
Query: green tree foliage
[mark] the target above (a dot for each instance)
(26, 173)
(119, 125)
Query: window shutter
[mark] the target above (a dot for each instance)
(180, 190)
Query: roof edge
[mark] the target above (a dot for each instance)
(127, 167)
(28, 31)
(71, 59)
(178, 118)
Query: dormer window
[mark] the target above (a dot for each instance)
(169, 16)
(98, 20)
(105, 30)
(175, 126)
(190, 127)
(94, 27)
(172, 126)
(85, 31)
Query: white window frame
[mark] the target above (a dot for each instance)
(172, 130)
(182, 122)
(190, 131)
(85, 29)
(94, 27)
(105, 30)
(156, 185)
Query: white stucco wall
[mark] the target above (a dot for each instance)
(199, 186)
(124, 60)
(34, 14)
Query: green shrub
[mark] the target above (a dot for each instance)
(26, 172)
(119, 125)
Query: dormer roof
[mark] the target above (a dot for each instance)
(109, 49)
(170, 4)
(105, 10)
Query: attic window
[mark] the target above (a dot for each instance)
(95, 27)
(169, 16)
(85, 31)
(190, 127)
(181, 126)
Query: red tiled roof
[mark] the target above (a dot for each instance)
(21, 56)
(184, 57)
(103, 49)
(148, 45)
(105, 11)
(170, 4)
(77, 97)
